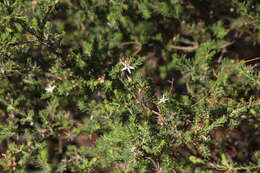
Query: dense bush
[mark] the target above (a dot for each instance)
(129, 86)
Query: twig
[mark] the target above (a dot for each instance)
(138, 46)
(194, 46)
(185, 48)
(226, 45)
(171, 87)
(156, 165)
(222, 168)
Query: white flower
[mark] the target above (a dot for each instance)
(127, 67)
(163, 100)
(49, 88)
(133, 149)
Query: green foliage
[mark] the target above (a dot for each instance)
(128, 86)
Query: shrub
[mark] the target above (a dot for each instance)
(129, 86)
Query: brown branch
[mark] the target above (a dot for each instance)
(194, 46)
(138, 46)
(156, 165)
(226, 45)
(185, 48)
(222, 168)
